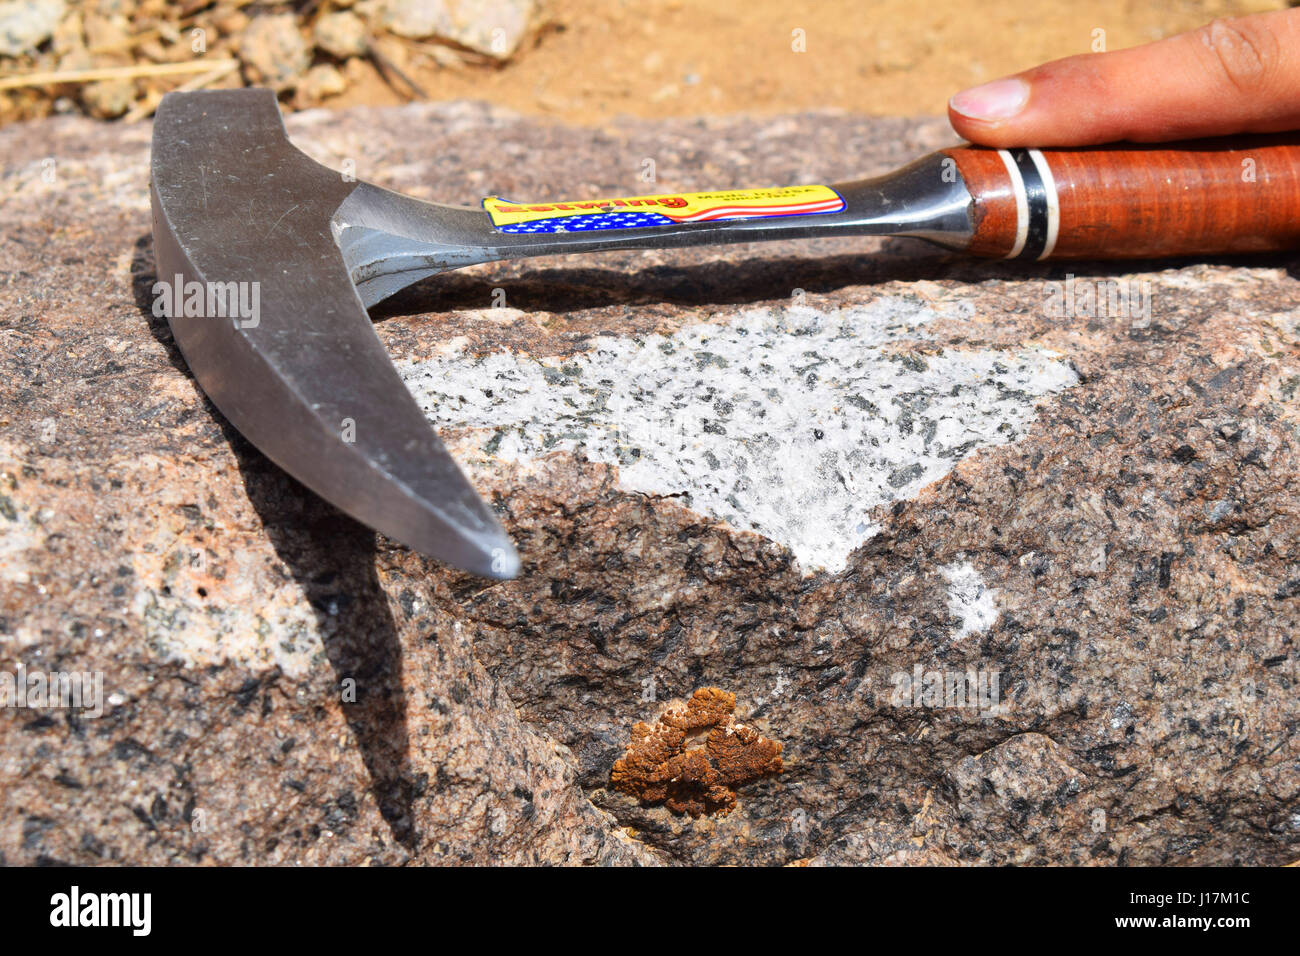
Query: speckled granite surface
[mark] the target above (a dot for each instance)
(972, 474)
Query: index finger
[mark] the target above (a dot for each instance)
(1231, 76)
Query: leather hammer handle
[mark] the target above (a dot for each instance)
(1135, 201)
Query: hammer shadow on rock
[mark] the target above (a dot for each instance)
(532, 286)
(332, 558)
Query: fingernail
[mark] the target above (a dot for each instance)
(999, 100)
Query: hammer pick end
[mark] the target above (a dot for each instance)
(262, 306)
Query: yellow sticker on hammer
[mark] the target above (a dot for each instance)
(671, 209)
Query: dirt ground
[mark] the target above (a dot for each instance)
(596, 59)
(587, 61)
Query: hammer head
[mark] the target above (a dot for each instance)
(261, 304)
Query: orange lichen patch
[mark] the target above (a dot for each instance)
(660, 767)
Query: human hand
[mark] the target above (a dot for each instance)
(1239, 75)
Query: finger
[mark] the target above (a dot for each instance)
(1231, 76)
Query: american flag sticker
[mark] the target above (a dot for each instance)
(674, 209)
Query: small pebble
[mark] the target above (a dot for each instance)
(341, 34)
(274, 51)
